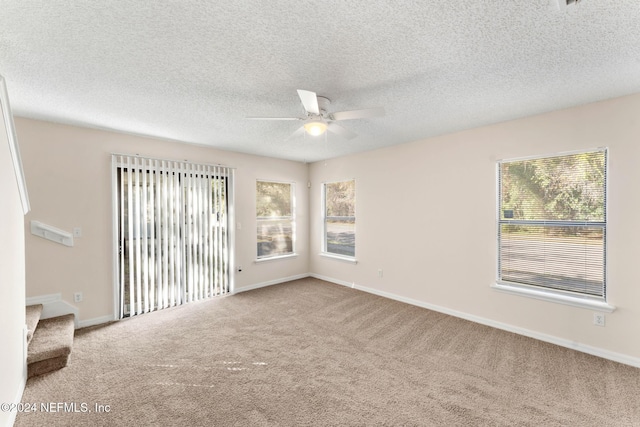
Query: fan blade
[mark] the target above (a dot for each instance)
(358, 114)
(298, 132)
(274, 118)
(339, 130)
(309, 101)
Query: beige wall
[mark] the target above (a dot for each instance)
(68, 171)
(12, 283)
(426, 215)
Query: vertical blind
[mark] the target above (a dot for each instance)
(552, 222)
(172, 232)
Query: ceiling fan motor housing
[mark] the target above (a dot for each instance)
(323, 105)
(318, 119)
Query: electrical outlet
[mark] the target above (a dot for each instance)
(379, 272)
(239, 269)
(77, 232)
(77, 297)
(598, 319)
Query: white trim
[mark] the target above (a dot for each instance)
(95, 321)
(270, 282)
(595, 351)
(291, 218)
(115, 253)
(556, 154)
(275, 258)
(111, 317)
(332, 280)
(16, 400)
(555, 297)
(43, 299)
(11, 419)
(275, 181)
(13, 146)
(323, 216)
(550, 295)
(230, 196)
(53, 306)
(584, 348)
(352, 260)
(25, 351)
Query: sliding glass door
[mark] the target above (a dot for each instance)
(172, 232)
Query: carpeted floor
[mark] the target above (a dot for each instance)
(311, 353)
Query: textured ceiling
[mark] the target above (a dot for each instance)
(192, 70)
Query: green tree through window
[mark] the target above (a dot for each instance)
(552, 222)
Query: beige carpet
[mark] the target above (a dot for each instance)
(51, 345)
(310, 353)
(32, 316)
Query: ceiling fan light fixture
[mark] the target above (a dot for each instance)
(315, 128)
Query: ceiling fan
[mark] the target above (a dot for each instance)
(318, 119)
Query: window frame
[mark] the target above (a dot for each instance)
(291, 218)
(538, 292)
(323, 250)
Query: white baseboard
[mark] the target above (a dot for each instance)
(332, 280)
(594, 351)
(53, 306)
(109, 318)
(95, 321)
(270, 282)
(11, 420)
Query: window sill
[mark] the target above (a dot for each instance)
(275, 258)
(351, 260)
(554, 297)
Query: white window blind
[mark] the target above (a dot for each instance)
(172, 232)
(552, 223)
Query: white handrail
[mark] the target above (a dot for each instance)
(51, 233)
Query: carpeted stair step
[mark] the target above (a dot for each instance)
(51, 345)
(33, 313)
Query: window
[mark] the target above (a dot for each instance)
(171, 232)
(339, 212)
(552, 223)
(275, 218)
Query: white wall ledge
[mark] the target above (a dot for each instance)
(339, 257)
(275, 258)
(586, 303)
